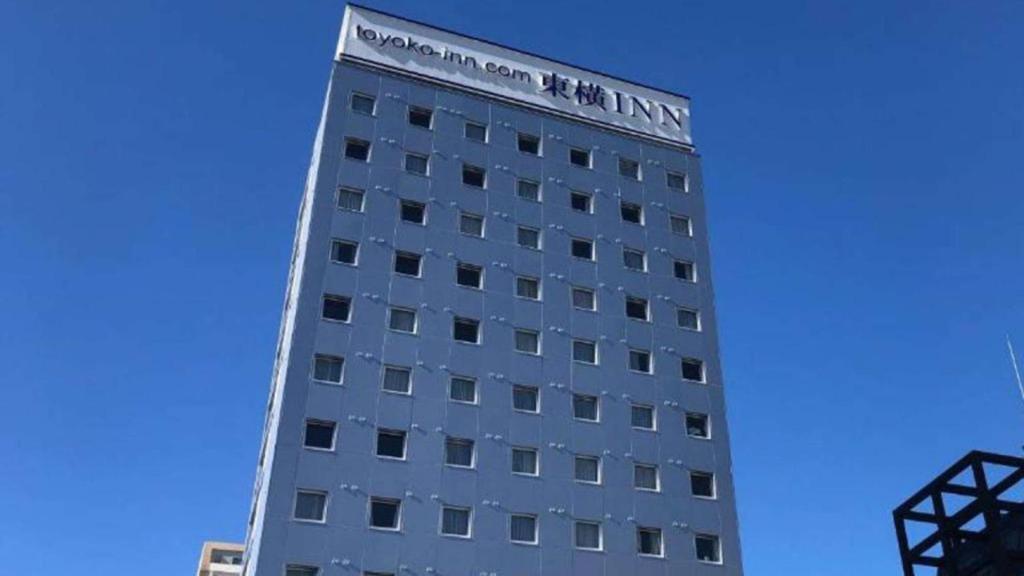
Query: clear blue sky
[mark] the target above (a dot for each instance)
(864, 170)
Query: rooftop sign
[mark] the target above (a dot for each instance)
(412, 48)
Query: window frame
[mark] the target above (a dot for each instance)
(538, 189)
(323, 511)
(593, 343)
(657, 476)
(469, 522)
(536, 395)
(397, 502)
(642, 352)
(465, 319)
(407, 256)
(654, 417)
(696, 316)
(716, 542)
(394, 433)
(341, 242)
(540, 242)
(468, 168)
(347, 300)
(701, 366)
(629, 162)
(661, 541)
(600, 536)
(415, 319)
(593, 298)
(483, 222)
(630, 299)
(350, 190)
(643, 259)
(579, 239)
(534, 137)
(537, 287)
(320, 422)
(624, 205)
(599, 468)
(690, 265)
(682, 176)
(476, 390)
(412, 204)
(428, 112)
(472, 452)
(419, 156)
(397, 368)
(674, 217)
(328, 357)
(706, 421)
(537, 349)
(536, 461)
(466, 266)
(597, 408)
(465, 131)
(589, 198)
(589, 165)
(710, 476)
(352, 103)
(352, 140)
(536, 529)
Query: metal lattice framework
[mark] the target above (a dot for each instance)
(984, 537)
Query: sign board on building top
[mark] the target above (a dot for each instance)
(412, 48)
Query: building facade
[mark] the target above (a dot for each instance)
(220, 559)
(498, 353)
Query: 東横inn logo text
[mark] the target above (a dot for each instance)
(556, 87)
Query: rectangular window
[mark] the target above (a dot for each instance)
(636, 308)
(458, 452)
(698, 425)
(528, 143)
(684, 270)
(336, 308)
(580, 201)
(417, 164)
(363, 103)
(293, 570)
(461, 389)
(397, 379)
(579, 157)
(422, 117)
(474, 176)
(311, 505)
(584, 351)
(391, 443)
(648, 541)
(455, 521)
(676, 181)
(402, 320)
(527, 341)
(583, 298)
(702, 484)
(407, 263)
(469, 275)
(645, 477)
(350, 199)
(709, 549)
(526, 399)
(528, 287)
(693, 369)
(528, 237)
(631, 212)
(583, 248)
(413, 212)
(476, 132)
(634, 259)
(344, 252)
(385, 513)
(466, 330)
(584, 407)
(588, 535)
(642, 416)
(629, 168)
(680, 225)
(524, 461)
(471, 224)
(319, 434)
(528, 189)
(356, 149)
(688, 318)
(640, 361)
(523, 528)
(327, 368)
(587, 469)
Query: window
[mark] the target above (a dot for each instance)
(709, 549)
(580, 201)
(469, 275)
(461, 389)
(407, 263)
(466, 330)
(477, 132)
(471, 224)
(587, 469)
(642, 416)
(588, 535)
(528, 287)
(688, 318)
(584, 407)
(458, 452)
(583, 248)
(421, 117)
(632, 212)
(629, 168)
(319, 435)
(648, 541)
(693, 369)
(579, 157)
(378, 574)
(414, 212)
(455, 521)
(697, 425)
(528, 143)
(680, 225)
(584, 351)
(583, 298)
(676, 181)
(350, 199)
(640, 361)
(402, 320)
(702, 484)
(363, 103)
(634, 259)
(336, 308)
(357, 149)
(310, 505)
(684, 270)
(527, 341)
(636, 308)
(526, 399)
(391, 443)
(327, 368)
(344, 252)
(528, 237)
(523, 529)
(293, 570)
(645, 477)
(417, 164)
(473, 175)
(524, 461)
(528, 190)
(397, 379)
(385, 513)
